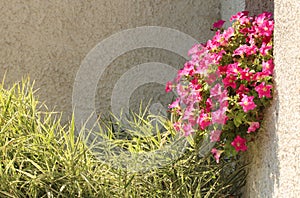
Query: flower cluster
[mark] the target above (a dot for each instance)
(225, 86)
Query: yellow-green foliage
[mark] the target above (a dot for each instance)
(41, 158)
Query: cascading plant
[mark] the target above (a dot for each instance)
(226, 85)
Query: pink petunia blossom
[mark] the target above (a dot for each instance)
(216, 57)
(211, 78)
(242, 90)
(218, 24)
(195, 84)
(222, 69)
(183, 92)
(215, 135)
(265, 30)
(245, 49)
(219, 116)
(247, 103)
(253, 126)
(177, 126)
(264, 49)
(217, 154)
(174, 104)
(195, 49)
(194, 96)
(189, 114)
(259, 20)
(228, 33)
(264, 90)
(233, 69)
(218, 39)
(168, 86)
(230, 81)
(239, 15)
(223, 100)
(204, 120)
(259, 76)
(216, 90)
(188, 129)
(239, 144)
(208, 104)
(212, 44)
(246, 75)
(268, 67)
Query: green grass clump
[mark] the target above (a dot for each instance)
(41, 158)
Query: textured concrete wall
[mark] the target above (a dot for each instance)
(259, 6)
(229, 8)
(48, 40)
(275, 167)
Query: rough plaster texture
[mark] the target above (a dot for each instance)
(275, 157)
(259, 6)
(48, 40)
(229, 8)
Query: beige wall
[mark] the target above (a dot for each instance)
(275, 167)
(48, 40)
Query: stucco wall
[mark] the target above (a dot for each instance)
(48, 40)
(275, 167)
(259, 6)
(229, 8)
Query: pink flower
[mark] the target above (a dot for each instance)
(266, 29)
(264, 49)
(239, 144)
(233, 69)
(268, 67)
(245, 49)
(208, 104)
(177, 126)
(253, 126)
(217, 154)
(195, 84)
(218, 24)
(230, 81)
(223, 100)
(264, 90)
(182, 91)
(204, 120)
(211, 78)
(242, 90)
(222, 69)
(219, 116)
(212, 44)
(174, 104)
(217, 56)
(259, 76)
(239, 15)
(189, 114)
(195, 49)
(247, 103)
(259, 20)
(246, 75)
(216, 90)
(188, 129)
(193, 96)
(218, 37)
(168, 86)
(228, 33)
(215, 135)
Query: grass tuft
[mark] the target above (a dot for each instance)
(41, 158)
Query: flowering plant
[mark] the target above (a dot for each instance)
(224, 88)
